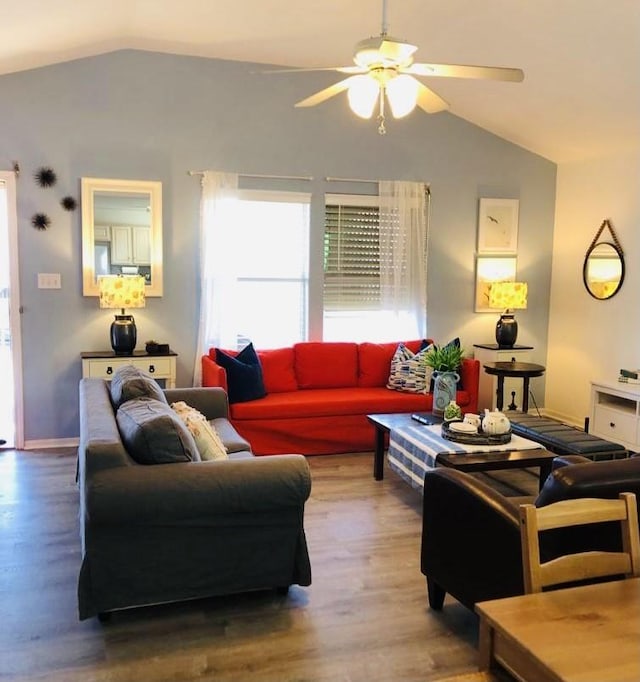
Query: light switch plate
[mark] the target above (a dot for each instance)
(49, 280)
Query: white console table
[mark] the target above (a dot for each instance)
(103, 364)
(615, 413)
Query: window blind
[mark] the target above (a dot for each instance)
(352, 256)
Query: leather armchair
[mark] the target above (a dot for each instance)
(471, 533)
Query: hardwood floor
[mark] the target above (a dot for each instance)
(364, 618)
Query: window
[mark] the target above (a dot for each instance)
(271, 235)
(354, 304)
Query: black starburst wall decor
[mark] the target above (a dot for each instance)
(40, 221)
(68, 203)
(45, 177)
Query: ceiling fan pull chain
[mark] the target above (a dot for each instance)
(381, 129)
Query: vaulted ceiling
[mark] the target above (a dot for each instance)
(580, 97)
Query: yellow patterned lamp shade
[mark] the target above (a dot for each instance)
(122, 292)
(508, 295)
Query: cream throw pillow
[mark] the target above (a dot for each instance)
(409, 372)
(205, 435)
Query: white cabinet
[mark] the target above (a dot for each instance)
(488, 385)
(102, 365)
(615, 413)
(130, 245)
(101, 233)
(141, 245)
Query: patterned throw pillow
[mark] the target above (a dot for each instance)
(205, 435)
(409, 372)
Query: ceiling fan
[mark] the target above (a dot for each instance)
(384, 68)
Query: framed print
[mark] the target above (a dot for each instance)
(490, 269)
(498, 226)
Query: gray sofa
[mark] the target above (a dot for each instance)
(169, 532)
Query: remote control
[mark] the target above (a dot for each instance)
(420, 418)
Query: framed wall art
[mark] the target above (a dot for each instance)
(490, 269)
(498, 226)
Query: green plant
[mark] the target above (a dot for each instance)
(444, 359)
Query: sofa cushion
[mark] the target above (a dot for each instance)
(153, 433)
(207, 439)
(329, 402)
(374, 361)
(409, 372)
(278, 372)
(129, 383)
(244, 374)
(325, 364)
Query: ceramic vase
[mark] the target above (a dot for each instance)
(444, 391)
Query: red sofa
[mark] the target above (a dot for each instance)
(319, 394)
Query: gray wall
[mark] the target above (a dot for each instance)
(150, 116)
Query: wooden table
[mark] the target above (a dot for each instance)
(499, 461)
(486, 461)
(523, 370)
(578, 634)
(383, 423)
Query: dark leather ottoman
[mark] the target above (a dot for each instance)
(563, 439)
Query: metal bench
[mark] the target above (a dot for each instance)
(563, 439)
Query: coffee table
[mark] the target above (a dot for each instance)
(383, 424)
(486, 461)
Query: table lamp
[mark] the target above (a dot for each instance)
(508, 296)
(122, 292)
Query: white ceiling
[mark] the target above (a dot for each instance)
(581, 58)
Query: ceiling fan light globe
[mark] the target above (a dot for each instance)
(402, 93)
(363, 95)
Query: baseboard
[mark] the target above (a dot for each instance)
(51, 443)
(568, 419)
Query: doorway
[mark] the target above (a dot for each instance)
(11, 410)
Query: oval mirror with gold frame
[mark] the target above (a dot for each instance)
(603, 270)
(121, 231)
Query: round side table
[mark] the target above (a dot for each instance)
(523, 370)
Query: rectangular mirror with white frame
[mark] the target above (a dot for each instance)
(121, 231)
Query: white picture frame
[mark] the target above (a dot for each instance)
(498, 226)
(490, 269)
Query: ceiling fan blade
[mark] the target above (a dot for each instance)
(327, 93)
(429, 101)
(340, 69)
(496, 73)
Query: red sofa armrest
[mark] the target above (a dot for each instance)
(213, 374)
(470, 377)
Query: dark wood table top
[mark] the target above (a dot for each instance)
(514, 369)
(507, 459)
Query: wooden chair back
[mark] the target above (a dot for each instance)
(584, 565)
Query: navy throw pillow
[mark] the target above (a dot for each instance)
(244, 374)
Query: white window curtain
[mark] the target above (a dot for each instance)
(217, 276)
(404, 223)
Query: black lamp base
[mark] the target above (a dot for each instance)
(506, 331)
(123, 335)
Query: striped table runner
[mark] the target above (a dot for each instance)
(413, 450)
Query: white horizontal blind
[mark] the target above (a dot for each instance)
(351, 253)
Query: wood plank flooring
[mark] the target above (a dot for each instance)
(365, 618)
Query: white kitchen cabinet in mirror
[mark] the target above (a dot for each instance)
(121, 231)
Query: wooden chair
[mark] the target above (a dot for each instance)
(584, 565)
